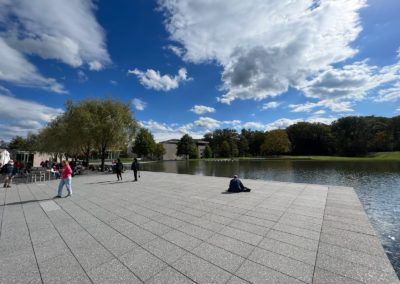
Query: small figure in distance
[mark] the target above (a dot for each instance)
(119, 167)
(135, 168)
(9, 170)
(236, 185)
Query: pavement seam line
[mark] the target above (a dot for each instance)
(30, 237)
(51, 221)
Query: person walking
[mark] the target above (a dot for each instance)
(9, 171)
(135, 168)
(119, 167)
(66, 179)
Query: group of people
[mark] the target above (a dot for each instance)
(66, 175)
(119, 168)
(9, 170)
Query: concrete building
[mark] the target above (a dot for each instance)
(171, 147)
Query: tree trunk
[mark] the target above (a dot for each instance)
(103, 157)
(87, 155)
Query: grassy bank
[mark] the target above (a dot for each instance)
(380, 156)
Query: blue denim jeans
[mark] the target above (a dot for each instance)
(68, 184)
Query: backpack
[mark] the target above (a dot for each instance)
(3, 169)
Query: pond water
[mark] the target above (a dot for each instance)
(376, 183)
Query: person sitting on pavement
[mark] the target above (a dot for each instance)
(236, 185)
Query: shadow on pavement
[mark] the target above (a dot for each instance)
(25, 202)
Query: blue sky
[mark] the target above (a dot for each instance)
(193, 66)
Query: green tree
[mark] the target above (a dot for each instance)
(351, 134)
(311, 138)
(18, 143)
(84, 116)
(276, 143)
(53, 138)
(243, 146)
(187, 147)
(394, 128)
(114, 126)
(208, 152)
(225, 150)
(159, 151)
(144, 143)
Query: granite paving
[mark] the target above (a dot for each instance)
(172, 228)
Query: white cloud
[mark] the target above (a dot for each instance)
(18, 117)
(264, 46)
(271, 105)
(335, 105)
(390, 94)
(152, 79)
(15, 68)
(199, 109)
(177, 50)
(113, 82)
(63, 30)
(207, 122)
(320, 112)
(254, 125)
(281, 123)
(163, 131)
(233, 123)
(82, 77)
(139, 104)
(398, 109)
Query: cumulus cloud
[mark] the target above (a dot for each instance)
(200, 109)
(15, 68)
(271, 105)
(335, 105)
(207, 122)
(264, 46)
(22, 116)
(163, 131)
(63, 30)
(267, 47)
(389, 95)
(139, 104)
(66, 31)
(152, 79)
(254, 125)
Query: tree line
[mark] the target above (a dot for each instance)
(92, 127)
(347, 136)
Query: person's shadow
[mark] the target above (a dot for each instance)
(229, 192)
(26, 201)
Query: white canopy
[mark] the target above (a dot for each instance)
(4, 156)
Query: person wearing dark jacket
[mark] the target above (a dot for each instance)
(236, 185)
(135, 168)
(9, 171)
(119, 167)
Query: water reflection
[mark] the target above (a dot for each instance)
(376, 183)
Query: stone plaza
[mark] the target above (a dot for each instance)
(170, 228)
